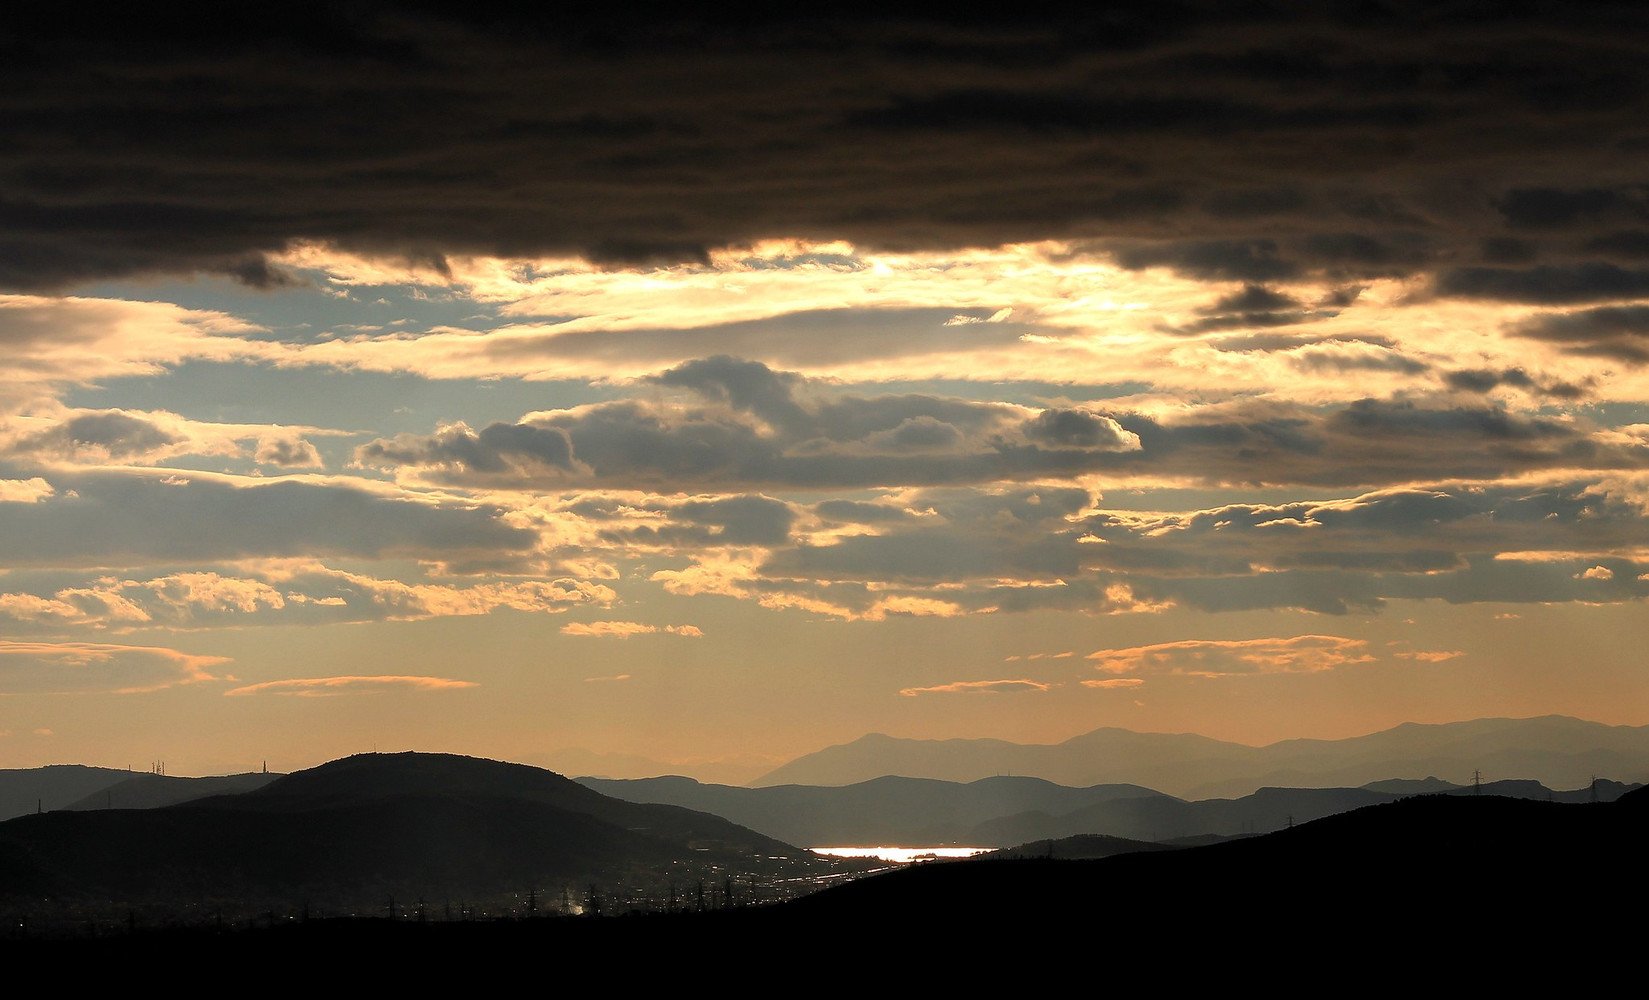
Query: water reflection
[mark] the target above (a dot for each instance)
(901, 855)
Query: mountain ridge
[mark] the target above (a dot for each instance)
(1558, 751)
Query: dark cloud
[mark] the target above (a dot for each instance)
(1552, 208)
(1449, 542)
(746, 425)
(530, 450)
(1545, 285)
(1293, 140)
(859, 512)
(111, 433)
(1253, 306)
(1062, 428)
(141, 518)
(755, 428)
(1508, 250)
(287, 453)
(1618, 332)
(747, 520)
(1628, 244)
(1253, 298)
(1365, 443)
(686, 522)
(1485, 380)
(746, 386)
(1212, 260)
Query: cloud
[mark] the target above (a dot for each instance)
(1430, 655)
(1113, 683)
(50, 342)
(1208, 658)
(287, 452)
(623, 630)
(1617, 332)
(999, 550)
(326, 687)
(63, 435)
(138, 517)
(84, 667)
(615, 678)
(978, 687)
(286, 593)
(1547, 284)
(25, 490)
(1484, 380)
(747, 424)
(1596, 573)
(1295, 144)
(108, 435)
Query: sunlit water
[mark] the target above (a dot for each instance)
(900, 855)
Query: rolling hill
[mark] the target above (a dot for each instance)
(153, 791)
(55, 786)
(351, 834)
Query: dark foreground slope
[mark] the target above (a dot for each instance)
(352, 835)
(1460, 891)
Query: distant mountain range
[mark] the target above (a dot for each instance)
(153, 791)
(354, 833)
(887, 810)
(76, 786)
(1557, 751)
(1009, 811)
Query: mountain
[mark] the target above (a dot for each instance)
(353, 833)
(152, 791)
(574, 760)
(888, 810)
(1104, 756)
(1555, 750)
(25, 790)
(1007, 811)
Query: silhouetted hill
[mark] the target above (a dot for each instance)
(889, 810)
(1080, 847)
(1554, 750)
(1429, 785)
(1161, 817)
(153, 791)
(1432, 871)
(1500, 890)
(23, 790)
(352, 833)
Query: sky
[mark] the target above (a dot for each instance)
(631, 393)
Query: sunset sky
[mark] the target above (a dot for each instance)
(709, 392)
